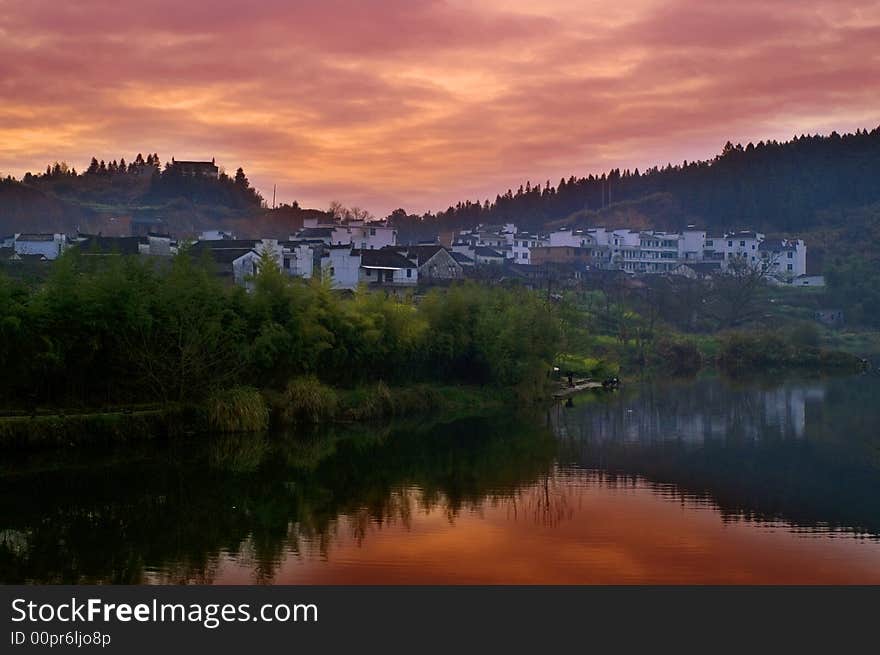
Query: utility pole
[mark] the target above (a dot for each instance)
(273, 196)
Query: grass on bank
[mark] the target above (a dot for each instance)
(304, 402)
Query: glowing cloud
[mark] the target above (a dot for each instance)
(419, 103)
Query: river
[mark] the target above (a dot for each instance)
(704, 481)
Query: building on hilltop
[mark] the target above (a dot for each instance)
(195, 168)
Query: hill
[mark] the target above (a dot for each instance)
(792, 186)
(110, 198)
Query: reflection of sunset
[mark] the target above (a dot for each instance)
(419, 103)
(599, 533)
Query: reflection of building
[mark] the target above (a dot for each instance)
(694, 414)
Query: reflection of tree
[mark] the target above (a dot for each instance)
(742, 447)
(547, 503)
(253, 498)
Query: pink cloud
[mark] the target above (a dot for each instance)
(420, 103)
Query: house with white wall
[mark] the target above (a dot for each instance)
(785, 259)
(49, 246)
(386, 268)
(363, 235)
(340, 265)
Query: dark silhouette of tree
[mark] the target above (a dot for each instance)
(769, 186)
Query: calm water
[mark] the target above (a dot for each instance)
(705, 482)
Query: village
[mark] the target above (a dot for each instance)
(349, 253)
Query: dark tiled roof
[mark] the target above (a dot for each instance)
(384, 258)
(36, 237)
(198, 164)
(230, 255)
(485, 251)
(421, 254)
(776, 245)
(315, 232)
(120, 245)
(226, 244)
(461, 258)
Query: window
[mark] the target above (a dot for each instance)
(742, 244)
(369, 273)
(790, 254)
(372, 231)
(790, 267)
(409, 272)
(730, 244)
(710, 243)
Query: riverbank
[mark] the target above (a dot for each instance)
(304, 403)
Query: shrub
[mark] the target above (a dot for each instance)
(585, 366)
(372, 402)
(306, 400)
(676, 356)
(240, 409)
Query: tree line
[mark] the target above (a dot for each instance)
(145, 179)
(109, 329)
(771, 185)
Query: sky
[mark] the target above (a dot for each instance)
(421, 103)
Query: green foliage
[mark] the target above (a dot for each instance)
(854, 285)
(676, 356)
(110, 330)
(305, 400)
(60, 430)
(240, 409)
(585, 366)
(768, 350)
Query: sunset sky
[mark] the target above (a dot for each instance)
(419, 103)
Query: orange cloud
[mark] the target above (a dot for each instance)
(420, 103)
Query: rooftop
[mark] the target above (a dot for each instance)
(385, 258)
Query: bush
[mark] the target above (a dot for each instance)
(306, 400)
(240, 409)
(748, 351)
(585, 366)
(676, 356)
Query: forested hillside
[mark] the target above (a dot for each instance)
(777, 187)
(60, 199)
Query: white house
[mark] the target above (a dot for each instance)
(359, 234)
(49, 246)
(386, 268)
(298, 259)
(786, 259)
(523, 242)
(341, 265)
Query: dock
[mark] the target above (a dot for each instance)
(580, 385)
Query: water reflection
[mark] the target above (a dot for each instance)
(690, 482)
